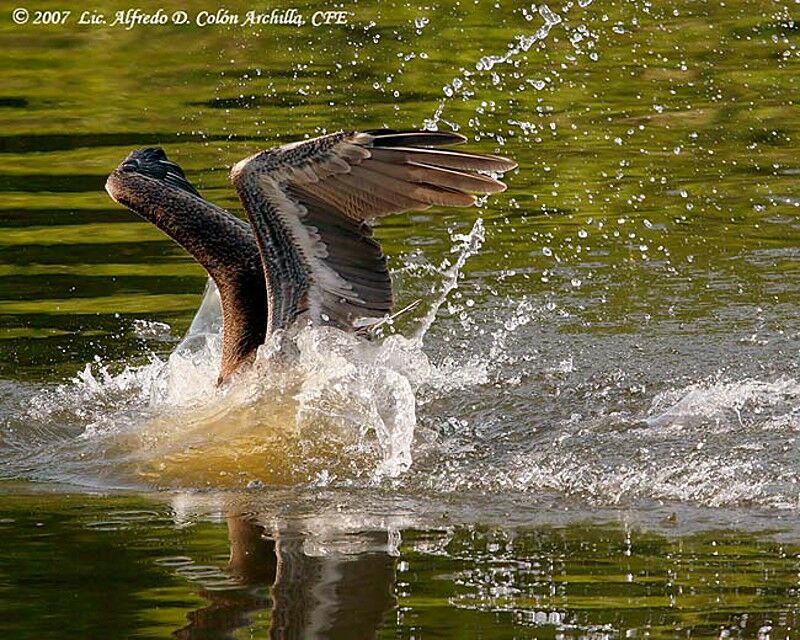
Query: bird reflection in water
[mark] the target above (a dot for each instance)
(326, 596)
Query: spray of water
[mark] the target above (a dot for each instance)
(319, 405)
(465, 246)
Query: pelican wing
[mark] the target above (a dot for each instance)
(310, 202)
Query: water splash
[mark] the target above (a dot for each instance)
(725, 404)
(524, 43)
(319, 405)
(716, 444)
(346, 413)
(461, 84)
(466, 246)
(323, 408)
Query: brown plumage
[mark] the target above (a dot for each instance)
(308, 252)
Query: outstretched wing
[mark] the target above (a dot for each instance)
(309, 203)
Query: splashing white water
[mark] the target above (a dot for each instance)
(725, 404)
(466, 246)
(325, 408)
(718, 444)
(319, 405)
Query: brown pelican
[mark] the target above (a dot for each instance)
(308, 253)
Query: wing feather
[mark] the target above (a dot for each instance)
(443, 158)
(427, 174)
(309, 203)
(392, 189)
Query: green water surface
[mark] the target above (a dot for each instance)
(653, 220)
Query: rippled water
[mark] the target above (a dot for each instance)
(615, 338)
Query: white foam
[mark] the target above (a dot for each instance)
(719, 401)
(716, 444)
